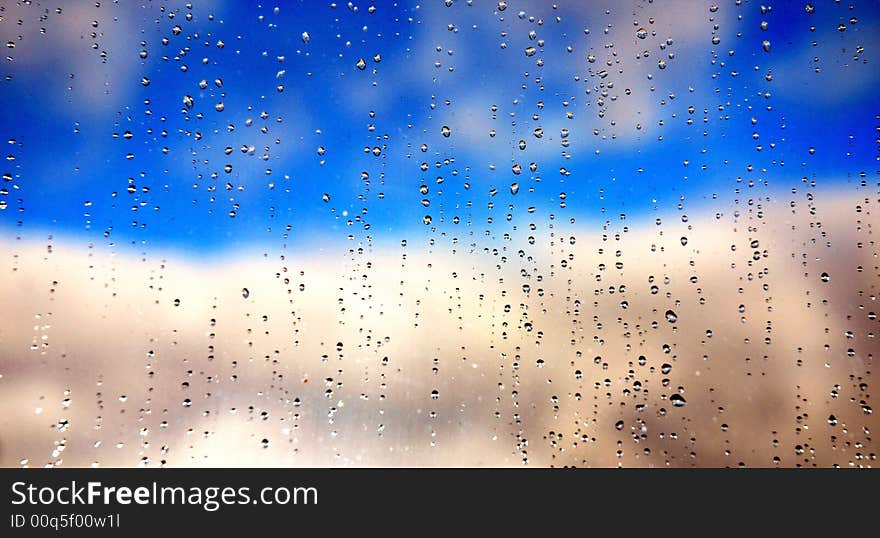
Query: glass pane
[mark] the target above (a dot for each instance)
(454, 233)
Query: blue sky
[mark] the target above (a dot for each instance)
(73, 87)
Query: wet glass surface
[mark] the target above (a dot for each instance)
(454, 233)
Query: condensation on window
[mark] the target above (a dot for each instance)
(447, 233)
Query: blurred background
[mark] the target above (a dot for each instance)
(455, 233)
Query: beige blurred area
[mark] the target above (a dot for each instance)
(330, 358)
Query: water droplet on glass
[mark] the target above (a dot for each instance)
(677, 400)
